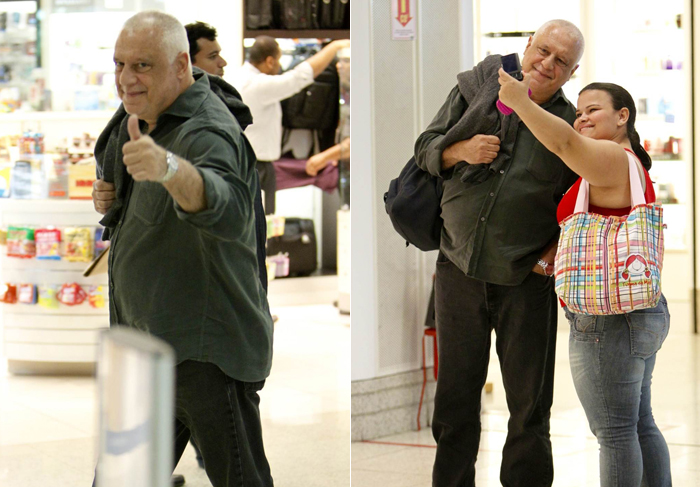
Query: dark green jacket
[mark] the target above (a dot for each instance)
(498, 217)
(192, 279)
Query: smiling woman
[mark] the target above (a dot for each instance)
(612, 351)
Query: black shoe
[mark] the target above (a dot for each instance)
(178, 480)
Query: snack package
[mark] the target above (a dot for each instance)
(79, 246)
(100, 245)
(71, 294)
(47, 297)
(20, 242)
(48, 243)
(8, 293)
(97, 296)
(27, 294)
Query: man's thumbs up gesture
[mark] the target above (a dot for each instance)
(143, 158)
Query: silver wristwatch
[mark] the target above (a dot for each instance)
(171, 160)
(545, 266)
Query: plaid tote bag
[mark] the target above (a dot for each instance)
(608, 265)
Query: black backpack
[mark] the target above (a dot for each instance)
(413, 205)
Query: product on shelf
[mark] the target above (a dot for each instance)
(48, 296)
(27, 294)
(81, 177)
(31, 143)
(275, 226)
(281, 264)
(20, 242)
(57, 177)
(79, 246)
(71, 294)
(100, 244)
(8, 293)
(48, 243)
(5, 178)
(21, 180)
(97, 296)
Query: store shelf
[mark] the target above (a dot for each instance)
(21, 116)
(48, 206)
(298, 34)
(32, 333)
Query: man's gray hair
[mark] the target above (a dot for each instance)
(570, 29)
(167, 29)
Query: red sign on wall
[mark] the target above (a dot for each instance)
(403, 20)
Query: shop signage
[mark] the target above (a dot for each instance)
(403, 20)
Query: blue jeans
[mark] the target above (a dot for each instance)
(612, 359)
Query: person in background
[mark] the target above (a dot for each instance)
(501, 188)
(205, 51)
(176, 183)
(339, 154)
(263, 88)
(612, 357)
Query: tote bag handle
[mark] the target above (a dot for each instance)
(636, 191)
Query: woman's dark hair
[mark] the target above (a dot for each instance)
(622, 99)
(196, 31)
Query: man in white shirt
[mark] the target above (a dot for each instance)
(263, 87)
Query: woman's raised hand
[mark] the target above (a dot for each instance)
(513, 92)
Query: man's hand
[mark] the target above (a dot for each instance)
(316, 163)
(143, 158)
(480, 149)
(103, 196)
(341, 44)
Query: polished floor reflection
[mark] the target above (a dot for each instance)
(406, 460)
(47, 424)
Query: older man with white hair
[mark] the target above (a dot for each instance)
(176, 183)
(499, 206)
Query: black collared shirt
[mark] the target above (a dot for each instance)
(495, 230)
(192, 279)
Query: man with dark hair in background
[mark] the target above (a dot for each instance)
(263, 88)
(205, 51)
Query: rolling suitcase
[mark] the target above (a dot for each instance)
(299, 242)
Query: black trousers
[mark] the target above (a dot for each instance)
(268, 183)
(524, 318)
(223, 416)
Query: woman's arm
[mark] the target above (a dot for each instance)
(600, 162)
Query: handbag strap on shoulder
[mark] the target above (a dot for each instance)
(636, 191)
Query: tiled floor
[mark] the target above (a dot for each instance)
(47, 424)
(676, 405)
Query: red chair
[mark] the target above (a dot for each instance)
(429, 332)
